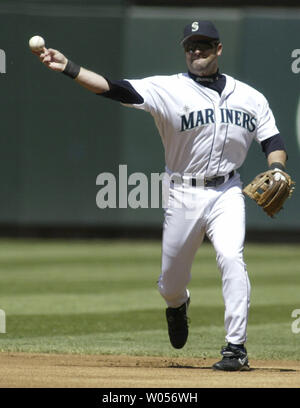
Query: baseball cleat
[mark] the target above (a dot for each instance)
(234, 359)
(178, 324)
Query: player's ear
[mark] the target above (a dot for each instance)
(219, 49)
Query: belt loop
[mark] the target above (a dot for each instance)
(229, 176)
(226, 178)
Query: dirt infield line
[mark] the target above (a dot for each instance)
(22, 370)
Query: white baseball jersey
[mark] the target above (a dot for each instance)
(204, 133)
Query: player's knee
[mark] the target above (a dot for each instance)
(229, 258)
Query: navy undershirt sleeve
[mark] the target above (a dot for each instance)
(273, 143)
(122, 91)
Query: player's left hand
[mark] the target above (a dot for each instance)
(270, 189)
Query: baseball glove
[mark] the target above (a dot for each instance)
(270, 189)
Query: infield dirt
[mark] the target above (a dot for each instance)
(24, 370)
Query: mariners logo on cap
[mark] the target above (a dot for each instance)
(195, 26)
(200, 27)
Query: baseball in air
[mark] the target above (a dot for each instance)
(36, 43)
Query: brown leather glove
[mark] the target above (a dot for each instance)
(270, 189)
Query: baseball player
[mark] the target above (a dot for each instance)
(207, 121)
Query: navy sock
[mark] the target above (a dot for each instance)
(239, 346)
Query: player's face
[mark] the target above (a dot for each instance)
(202, 55)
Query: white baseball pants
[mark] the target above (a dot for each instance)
(219, 213)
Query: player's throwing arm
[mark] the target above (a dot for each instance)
(56, 61)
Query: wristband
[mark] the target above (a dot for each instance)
(71, 69)
(277, 165)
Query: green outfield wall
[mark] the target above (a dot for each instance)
(56, 137)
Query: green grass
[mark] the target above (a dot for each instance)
(100, 297)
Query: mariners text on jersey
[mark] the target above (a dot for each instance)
(204, 132)
(229, 116)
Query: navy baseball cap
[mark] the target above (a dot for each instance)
(200, 27)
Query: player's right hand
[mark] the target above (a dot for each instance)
(53, 59)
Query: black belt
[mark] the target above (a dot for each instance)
(213, 181)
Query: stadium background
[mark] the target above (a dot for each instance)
(56, 137)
